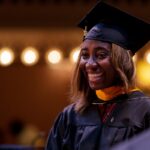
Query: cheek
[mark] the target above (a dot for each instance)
(112, 74)
(109, 69)
(82, 67)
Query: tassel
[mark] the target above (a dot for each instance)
(85, 31)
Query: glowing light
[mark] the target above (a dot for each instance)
(54, 56)
(147, 56)
(134, 58)
(29, 56)
(74, 54)
(143, 73)
(6, 56)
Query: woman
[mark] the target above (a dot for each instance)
(107, 107)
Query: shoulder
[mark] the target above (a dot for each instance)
(89, 117)
(70, 109)
(138, 96)
(139, 101)
(63, 118)
(68, 114)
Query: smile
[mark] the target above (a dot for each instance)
(95, 77)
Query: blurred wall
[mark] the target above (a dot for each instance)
(33, 94)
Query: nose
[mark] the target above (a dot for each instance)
(91, 64)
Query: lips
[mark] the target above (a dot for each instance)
(94, 77)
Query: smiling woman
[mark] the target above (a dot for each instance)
(107, 107)
(99, 68)
(95, 62)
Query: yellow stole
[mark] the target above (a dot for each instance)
(112, 92)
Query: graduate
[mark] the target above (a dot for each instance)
(107, 106)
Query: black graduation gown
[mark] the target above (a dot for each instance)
(86, 131)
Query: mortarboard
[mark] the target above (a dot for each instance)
(107, 23)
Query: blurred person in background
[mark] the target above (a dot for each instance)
(107, 107)
(26, 134)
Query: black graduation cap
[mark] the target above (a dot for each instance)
(107, 23)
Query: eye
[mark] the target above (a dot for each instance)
(84, 55)
(102, 55)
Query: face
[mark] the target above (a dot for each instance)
(96, 64)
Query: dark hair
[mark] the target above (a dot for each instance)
(122, 62)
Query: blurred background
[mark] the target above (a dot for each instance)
(39, 43)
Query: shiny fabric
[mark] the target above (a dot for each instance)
(112, 92)
(86, 131)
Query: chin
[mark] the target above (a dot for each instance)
(97, 87)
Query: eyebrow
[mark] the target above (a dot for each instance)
(96, 48)
(101, 49)
(83, 48)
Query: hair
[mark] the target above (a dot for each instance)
(121, 59)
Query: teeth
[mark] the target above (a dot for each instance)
(94, 75)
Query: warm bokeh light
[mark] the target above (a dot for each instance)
(74, 54)
(6, 56)
(29, 56)
(54, 56)
(143, 74)
(134, 58)
(147, 57)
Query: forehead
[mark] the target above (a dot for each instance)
(93, 44)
